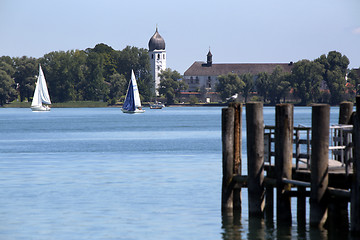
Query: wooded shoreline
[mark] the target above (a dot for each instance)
(97, 104)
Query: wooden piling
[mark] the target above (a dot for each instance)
(237, 149)
(227, 119)
(284, 128)
(255, 155)
(319, 164)
(301, 207)
(345, 111)
(355, 190)
(338, 207)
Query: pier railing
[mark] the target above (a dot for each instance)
(301, 141)
(340, 145)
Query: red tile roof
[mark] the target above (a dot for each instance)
(202, 69)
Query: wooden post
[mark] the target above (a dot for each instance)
(255, 155)
(338, 207)
(346, 109)
(319, 164)
(355, 190)
(227, 121)
(237, 149)
(284, 128)
(301, 207)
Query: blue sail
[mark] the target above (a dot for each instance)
(129, 103)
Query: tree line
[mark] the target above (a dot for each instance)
(102, 74)
(95, 74)
(323, 80)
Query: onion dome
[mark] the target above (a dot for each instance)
(156, 42)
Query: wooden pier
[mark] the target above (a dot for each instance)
(283, 158)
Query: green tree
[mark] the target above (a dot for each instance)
(25, 73)
(272, 87)
(248, 80)
(109, 58)
(57, 67)
(306, 80)
(137, 59)
(229, 85)
(118, 86)
(94, 88)
(7, 64)
(263, 85)
(335, 65)
(7, 88)
(193, 100)
(171, 85)
(77, 72)
(354, 80)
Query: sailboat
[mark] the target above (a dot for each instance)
(132, 103)
(41, 94)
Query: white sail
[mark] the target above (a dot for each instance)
(132, 103)
(36, 99)
(136, 90)
(41, 94)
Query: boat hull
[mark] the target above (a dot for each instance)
(40, 108)
(156, 107)
(135, 111)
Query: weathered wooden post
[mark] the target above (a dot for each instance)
(255, 155)
(355, 190)
(301, 207)
(284, 128)
(345, 111)
(237, 149)
(338, 207)
(319, 164)
(227, 122)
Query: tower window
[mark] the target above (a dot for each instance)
(158, 56)
(152, 56)
(163, 56)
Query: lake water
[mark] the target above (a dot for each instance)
(100, 174)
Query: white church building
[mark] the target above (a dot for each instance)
(157, 56)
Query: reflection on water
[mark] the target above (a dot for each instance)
(252, 227)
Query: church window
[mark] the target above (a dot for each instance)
(152, 56)
(163, 56)
(158, 56)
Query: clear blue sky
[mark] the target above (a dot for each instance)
(237, 31)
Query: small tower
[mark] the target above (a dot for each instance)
(157, 56)
(209, 59)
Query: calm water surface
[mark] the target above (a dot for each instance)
(101, 174)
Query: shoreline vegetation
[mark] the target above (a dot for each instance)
(99, 104)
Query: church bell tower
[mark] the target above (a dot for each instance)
(157, 56)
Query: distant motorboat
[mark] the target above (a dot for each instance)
(132, 103)
(157, 105)
(41, 94)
